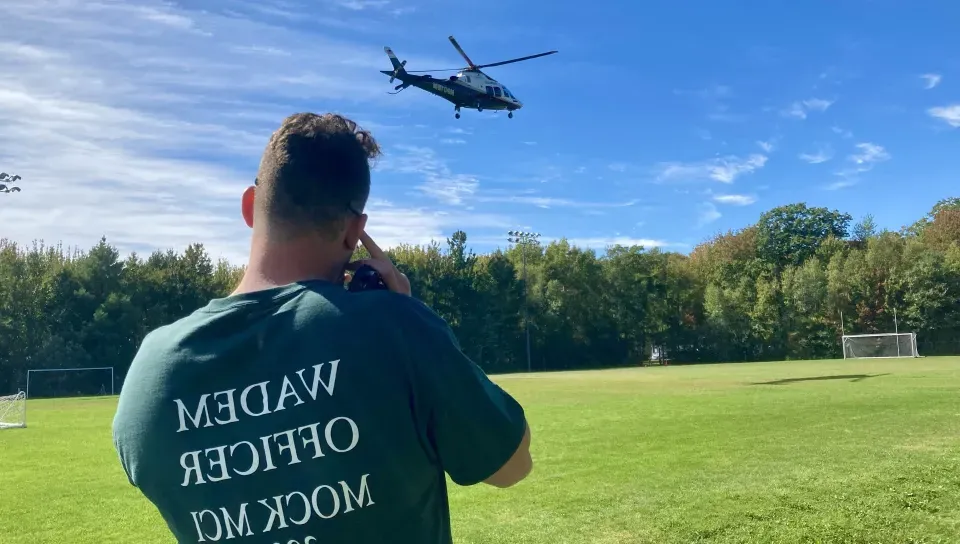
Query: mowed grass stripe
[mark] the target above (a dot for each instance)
(799, 451)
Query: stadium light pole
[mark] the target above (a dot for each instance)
(523, 239)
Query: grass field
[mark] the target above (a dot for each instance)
(825, 451)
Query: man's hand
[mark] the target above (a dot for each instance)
(396, 281)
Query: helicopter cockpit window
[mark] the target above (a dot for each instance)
(496, 91)
(507, 93)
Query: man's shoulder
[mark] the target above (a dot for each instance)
(169, 346)
(419, 319)
(404, 310)
(413, 308)
(167, 336)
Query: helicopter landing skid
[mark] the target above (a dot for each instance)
(456, 111)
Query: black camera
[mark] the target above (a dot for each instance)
(366, 278)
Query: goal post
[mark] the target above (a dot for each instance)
(13, 411)
(888, 345)
(93, 380)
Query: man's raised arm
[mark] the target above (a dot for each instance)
(478, 431)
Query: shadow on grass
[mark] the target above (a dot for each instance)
(851, 377)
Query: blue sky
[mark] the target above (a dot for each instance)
(657, 122)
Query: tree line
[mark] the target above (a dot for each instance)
(774, 290)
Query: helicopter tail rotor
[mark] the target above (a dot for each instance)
(398, 69)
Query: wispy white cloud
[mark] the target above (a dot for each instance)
(737, 200)
(711, 92)
(795, 110)
(722, 169)
(617, 167)
(333, 13)
(822, 154)
(144, 121)
(948, 114)
(453, 141)
(867, 156)
(708, 213)
(439, 181)
(722, 113)
(843, 133)
(359, 5)
(837, 185)
(766, 146)
(817, 104)
(552, 202)
(402, 224)
(713, 97)
(802, 108)
(930, 80)
(600, 243)
(402, 10)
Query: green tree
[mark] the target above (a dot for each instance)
(791, 234)
(773, 290)
(917, 228)
(865, 229)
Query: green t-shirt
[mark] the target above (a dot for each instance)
(306, 414)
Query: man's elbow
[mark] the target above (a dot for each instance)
(517, 474)
(517, 468)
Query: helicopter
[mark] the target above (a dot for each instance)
(470, 88)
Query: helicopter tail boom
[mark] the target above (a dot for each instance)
(398, 69)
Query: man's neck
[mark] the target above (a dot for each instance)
(276, 265)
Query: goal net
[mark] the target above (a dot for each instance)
(69, 382)
(880, 346)
(13, 411)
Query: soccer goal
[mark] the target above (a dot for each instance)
(69, 382)
(13, 411)
(880, 346)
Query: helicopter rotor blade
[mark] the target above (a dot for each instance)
(462, 54)
(501, 63)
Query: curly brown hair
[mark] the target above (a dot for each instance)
(314, 173)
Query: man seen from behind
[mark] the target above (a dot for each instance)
(295, 411)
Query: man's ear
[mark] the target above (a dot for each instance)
(353, 231)
(246, 205)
